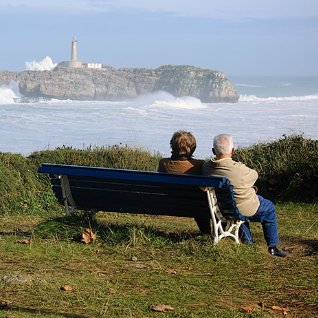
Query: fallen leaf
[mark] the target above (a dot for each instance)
(88, 236)
(161, 307)
(247, 309)
(24, 241)
(283, 309)
(67, 288)
(171, 271)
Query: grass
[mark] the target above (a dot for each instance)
(138, 261)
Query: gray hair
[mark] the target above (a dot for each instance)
(223, 144)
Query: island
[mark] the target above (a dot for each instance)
(94, 81)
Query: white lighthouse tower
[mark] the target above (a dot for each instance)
(74, 50)
(74, 62)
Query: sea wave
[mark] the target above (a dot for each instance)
(161, 99)
(253, 98)
(45, 65)
(9, 93)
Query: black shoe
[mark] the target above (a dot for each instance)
(274, 251)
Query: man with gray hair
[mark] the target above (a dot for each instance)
(254, 207)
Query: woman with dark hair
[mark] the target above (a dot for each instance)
(183, 145)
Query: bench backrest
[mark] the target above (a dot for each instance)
(147, 192)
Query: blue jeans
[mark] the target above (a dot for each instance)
(266, 215)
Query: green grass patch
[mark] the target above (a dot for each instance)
(138, 261)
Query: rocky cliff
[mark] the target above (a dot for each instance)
(109, 83)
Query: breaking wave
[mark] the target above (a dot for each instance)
(9, 93)
(253, 98)
(163, 99)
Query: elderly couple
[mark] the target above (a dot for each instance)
(242, 178)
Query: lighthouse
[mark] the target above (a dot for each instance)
(74, 63)
(74, 50)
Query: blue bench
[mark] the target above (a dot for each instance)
(147, 192)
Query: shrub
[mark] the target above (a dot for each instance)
(121, 157)
(288, 170)
(288, 167)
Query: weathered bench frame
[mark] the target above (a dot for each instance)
(147, 192)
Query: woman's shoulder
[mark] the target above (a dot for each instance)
(197, 161)
(190, 166)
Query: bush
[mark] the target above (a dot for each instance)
(288, 168)
(121, 157)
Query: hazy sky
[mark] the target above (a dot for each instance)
(238, 37)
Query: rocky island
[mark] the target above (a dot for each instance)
(93, 81)
(109, 83)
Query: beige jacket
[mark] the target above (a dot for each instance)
(241, 178)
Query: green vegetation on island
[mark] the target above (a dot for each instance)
(138, 261)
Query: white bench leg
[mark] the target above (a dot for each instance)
(219, 231)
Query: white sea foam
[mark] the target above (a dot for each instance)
(253, 98)
(9, 93)
(36, 126)
(161, 100)
(45, 65)
(167, 100)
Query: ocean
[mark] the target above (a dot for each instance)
(268, 108)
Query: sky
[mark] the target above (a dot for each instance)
(238, 37)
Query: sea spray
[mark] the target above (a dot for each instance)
(45, 65)
(9, 93)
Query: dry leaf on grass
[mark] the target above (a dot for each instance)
(283, 309)
(161, 307)
(67, 288)
(171, 271)
(111, 290)
(88, 236)
(24, 241)
(247, 309)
